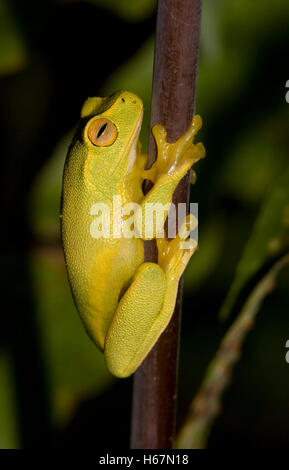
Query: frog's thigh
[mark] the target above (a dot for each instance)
(125, 345)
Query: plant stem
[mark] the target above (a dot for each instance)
(206, 405)
(173, 104)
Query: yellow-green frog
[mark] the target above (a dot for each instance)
(124, 302)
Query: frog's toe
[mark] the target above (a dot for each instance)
(175, 254)
(176, 264)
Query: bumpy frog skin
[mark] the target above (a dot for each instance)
(124, 302)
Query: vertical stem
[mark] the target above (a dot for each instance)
(173, 103)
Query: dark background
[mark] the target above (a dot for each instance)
(54, 389)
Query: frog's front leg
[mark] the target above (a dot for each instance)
(173, 162)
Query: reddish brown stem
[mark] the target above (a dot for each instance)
(173, 103)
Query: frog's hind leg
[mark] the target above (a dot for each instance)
(132, 333)
(147, 306)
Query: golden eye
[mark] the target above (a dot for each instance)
(102, 132)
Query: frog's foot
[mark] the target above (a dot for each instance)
(176, 158)
(174, 255)
(173, 162)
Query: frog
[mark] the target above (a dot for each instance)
(124, 301)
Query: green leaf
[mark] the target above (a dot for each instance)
(252, 166)
(130, 10)
(270, 238)
(9, 432)
(13, 49)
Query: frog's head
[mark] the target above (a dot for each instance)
(110, 133)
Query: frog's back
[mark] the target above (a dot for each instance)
(99, 269)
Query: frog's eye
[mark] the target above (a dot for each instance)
(102, 132)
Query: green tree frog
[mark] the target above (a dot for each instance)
(124, 302)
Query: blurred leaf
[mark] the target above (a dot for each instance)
(270, 237)
(232, 34)
(252, 165)
(206, 405)
(216, 56)
(9, 438)
(13, 50)
(247, 16)
(129, 9)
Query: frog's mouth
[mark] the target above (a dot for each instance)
(133, 145)
(130, 150)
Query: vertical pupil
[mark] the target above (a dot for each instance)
(101, 130)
